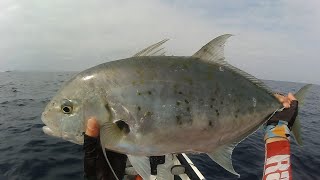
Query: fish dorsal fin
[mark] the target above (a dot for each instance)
(142, 165)
(214, 50)
(222, 156)
(296, 128)
(153, 50)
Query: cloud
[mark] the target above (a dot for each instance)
(274, 39)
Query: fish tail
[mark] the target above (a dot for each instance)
(296, 128)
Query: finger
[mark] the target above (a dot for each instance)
(92, 127)
(284, 100)
(291, 97)
(286, 104)
(280, 97)
(287, 101)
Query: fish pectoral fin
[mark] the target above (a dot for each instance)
(142, 165)
(296, 128)
(222, 156)
(110, 134)
(154, 49)
(214, 50)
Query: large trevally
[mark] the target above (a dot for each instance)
(156, 105)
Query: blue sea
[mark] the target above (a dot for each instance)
(27, 153)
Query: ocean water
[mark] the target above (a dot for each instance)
(27, 153)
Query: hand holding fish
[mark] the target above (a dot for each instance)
(288, 114)
(95, 166)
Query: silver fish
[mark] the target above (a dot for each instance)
(156, 105)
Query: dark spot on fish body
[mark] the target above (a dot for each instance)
(211, 106)
(148, 113)
(236, 115)
(210, 123)
(178, 120)
(188, 109)
(217, 112)
(221, 102)
(139, 93)
(186, 101)
(180, 92)
(149, 92)
(213, 99)
(178, 103)
(139, 108)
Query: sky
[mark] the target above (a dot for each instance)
(274, 39)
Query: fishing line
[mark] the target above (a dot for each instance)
(278, 110)
(109, 164)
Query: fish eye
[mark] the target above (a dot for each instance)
(67, 106)
(67, 110)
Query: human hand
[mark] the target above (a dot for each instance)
(288, 114)
(93, 128)
(285, 100)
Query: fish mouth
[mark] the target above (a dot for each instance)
(65, 136)
(49, 131)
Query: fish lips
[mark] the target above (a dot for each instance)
(49, 131)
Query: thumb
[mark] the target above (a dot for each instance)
(92, 127)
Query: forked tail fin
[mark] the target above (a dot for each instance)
(296, 128)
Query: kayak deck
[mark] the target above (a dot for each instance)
(182, 169)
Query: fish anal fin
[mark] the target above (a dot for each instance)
(222, 156)
(214, 50)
